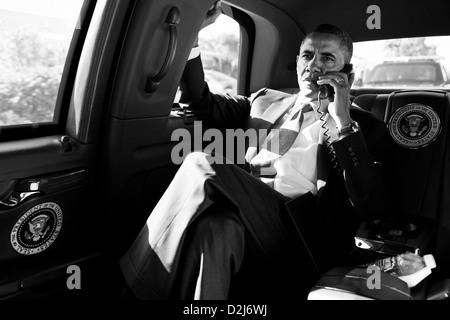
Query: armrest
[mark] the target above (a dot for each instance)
(398, 234)
(349, 283)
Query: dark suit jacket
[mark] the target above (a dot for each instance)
(359, 192)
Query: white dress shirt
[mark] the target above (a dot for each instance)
(297, 168)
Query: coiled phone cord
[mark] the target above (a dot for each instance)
(333, 158)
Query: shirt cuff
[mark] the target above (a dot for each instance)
(195, 52)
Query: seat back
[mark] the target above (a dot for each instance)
(419, 169)
(417, 161)
(419, 150)
(420, 163)
(375, 103)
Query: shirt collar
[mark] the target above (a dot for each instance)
(315, 104)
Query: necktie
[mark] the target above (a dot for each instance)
(279, 141)
(281, 138)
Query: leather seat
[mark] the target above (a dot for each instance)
(420, 166)
(419, 171)
(375, 103)
(419, 161)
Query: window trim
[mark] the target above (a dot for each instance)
(247, 37)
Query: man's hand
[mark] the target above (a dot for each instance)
(213, 13)
(340, 108)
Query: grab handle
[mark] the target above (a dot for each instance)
(173, 18)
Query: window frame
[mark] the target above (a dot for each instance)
(247, 45)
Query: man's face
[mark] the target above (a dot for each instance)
(319, 54)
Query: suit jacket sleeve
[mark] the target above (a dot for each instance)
(215, 110)
(363, 157)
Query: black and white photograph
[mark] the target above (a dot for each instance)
(224, 158)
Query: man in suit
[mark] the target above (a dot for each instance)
(221, 232)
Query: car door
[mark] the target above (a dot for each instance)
(51, 102)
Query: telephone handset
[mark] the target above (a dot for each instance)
(327, 91)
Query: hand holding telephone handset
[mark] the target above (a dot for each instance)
(213, 13)
(327, 90)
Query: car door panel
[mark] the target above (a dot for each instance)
(19, 159)
(49, 212)
(140, 168)
(56, 222)
(70, 211)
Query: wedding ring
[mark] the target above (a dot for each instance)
(339, 80)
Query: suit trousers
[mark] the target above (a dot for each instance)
(229, 236)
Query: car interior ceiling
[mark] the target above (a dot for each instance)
(308, 14)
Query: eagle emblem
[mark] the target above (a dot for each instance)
(37, 228)
(414, 125)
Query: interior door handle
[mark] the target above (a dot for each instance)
(173, 18)
(16, 198)
(12, 194)
(25, 188)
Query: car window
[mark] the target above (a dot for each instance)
(402, 63)
(407, 72)
(34, 42)
(219, 45)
